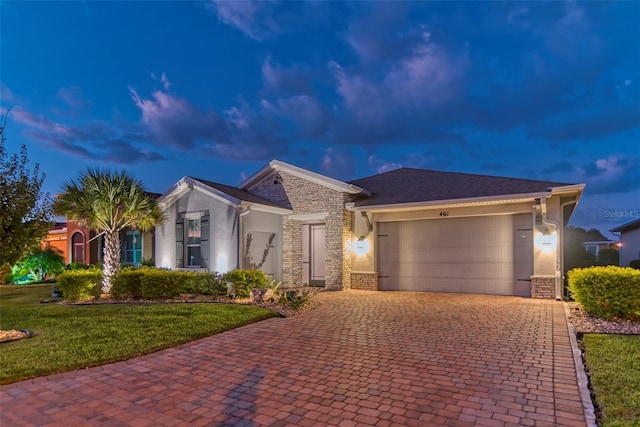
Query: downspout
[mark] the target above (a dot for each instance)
(561, 236)
(549, 222)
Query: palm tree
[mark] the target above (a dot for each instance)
(108, 202)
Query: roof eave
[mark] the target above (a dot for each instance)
(258, 207)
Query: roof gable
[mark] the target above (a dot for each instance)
(225, 193)
(277, 165)
(407, 185)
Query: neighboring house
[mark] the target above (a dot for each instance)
(408, 229)
(80, 244)
(57, 239)
(629, 241)
(594, 248)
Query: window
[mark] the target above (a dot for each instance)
(193, 242)
(132, 248)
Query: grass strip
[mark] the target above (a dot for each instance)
(613, 364)
(66, 337)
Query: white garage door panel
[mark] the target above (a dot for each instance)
(485, 255)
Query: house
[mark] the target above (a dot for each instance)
(407, 229)
(80, 245)
(594, 248)
(629, 241)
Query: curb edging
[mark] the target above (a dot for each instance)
(583, 381)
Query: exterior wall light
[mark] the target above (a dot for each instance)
(546, 241)
(361, 246)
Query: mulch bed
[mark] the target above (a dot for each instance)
(585, 323)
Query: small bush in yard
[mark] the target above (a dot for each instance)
(163, 283)
(607, 292)
(80, 285)
(128, 283)
(245, 280)
(294, 298)
(207, 284)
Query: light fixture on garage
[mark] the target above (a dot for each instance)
(546, 241)
(361, 246)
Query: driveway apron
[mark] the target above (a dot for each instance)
(361, 358)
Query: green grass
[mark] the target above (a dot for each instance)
(613, 363)
(73, 337)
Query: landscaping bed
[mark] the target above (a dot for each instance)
(611, 356)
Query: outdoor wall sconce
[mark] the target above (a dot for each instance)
(546, 241)
(361, 246)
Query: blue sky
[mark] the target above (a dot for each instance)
(541, 90)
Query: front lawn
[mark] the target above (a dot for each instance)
(613, 363)
(72, 337)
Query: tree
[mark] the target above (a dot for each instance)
(108, 202)
(25, 212)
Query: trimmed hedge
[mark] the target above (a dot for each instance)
(128, 284)
(207, 284)
(151, 283)
(607, 292)
(245, 280)
(164, 284)
(80, 285)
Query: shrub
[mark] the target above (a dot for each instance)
(245, 280)
(127, 284)
(78, 266)
(635, 263)
(148, 262)
(607, 292)
(207, 284)
(294, 298)
(80, 285)
(163, 283)
(41, 263)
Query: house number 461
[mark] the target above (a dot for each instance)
(444, 213)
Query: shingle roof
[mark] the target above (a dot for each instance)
(238, 193)
(407, 185)
(627, 226)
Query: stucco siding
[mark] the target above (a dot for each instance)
(223, 230)
(261, 226)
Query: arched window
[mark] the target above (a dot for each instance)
(77, 248)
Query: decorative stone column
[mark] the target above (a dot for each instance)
(543, 287)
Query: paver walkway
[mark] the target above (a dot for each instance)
(362, 358)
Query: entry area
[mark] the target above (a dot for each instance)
(313, 254)
(478, 255)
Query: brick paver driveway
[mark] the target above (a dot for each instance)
(362, 358)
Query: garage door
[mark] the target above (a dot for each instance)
(480, 255)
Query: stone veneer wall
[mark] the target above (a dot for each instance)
(305, 197)
(364, 281)
(543, 287)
